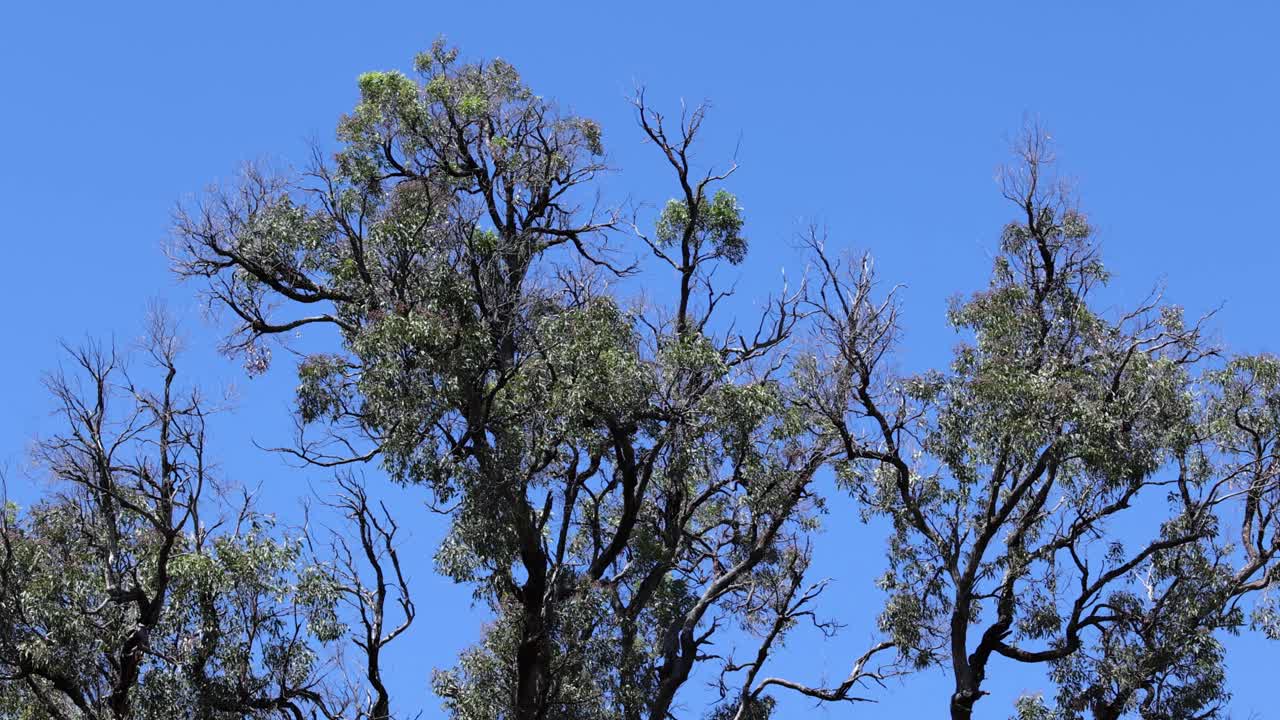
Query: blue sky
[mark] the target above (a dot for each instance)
(883, 121)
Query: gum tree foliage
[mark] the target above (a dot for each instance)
(136, 589)
(1013, 479)
(1159, 654)
(622, 481)
(626, 481)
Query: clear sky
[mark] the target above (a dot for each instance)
(882, 120)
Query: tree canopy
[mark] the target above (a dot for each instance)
(629, 479)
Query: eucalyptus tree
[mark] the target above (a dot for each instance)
(137, 589)
(1159, 653)
(622, 481)
(1015, 480)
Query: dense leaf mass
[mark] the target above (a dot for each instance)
(615, 477)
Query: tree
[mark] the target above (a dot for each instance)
(1008, 476)
(619, 480)
(1159, 652)
(138, 590)
(626, 482)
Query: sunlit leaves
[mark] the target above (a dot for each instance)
(717, 229)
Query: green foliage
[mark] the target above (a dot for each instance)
(590, 457)
(623, 479)
(116, 602)
(756, 709)
(1004, 476)
(717, 226)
